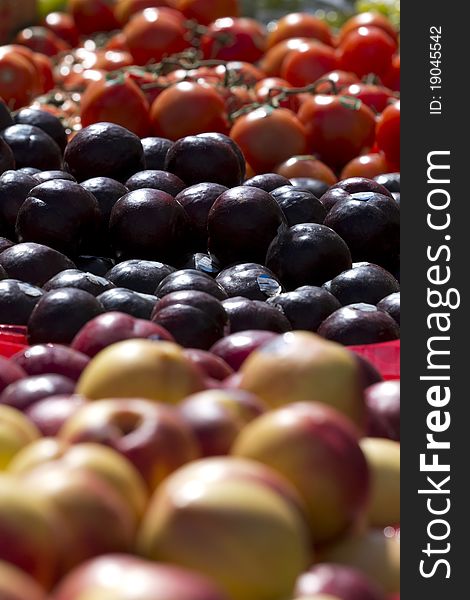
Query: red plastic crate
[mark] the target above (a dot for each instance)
(12, 339)
(385, 357)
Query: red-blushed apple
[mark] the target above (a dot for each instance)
(235, 521)
(44, 359)
(316, 448)
(383, 458)
(141, 368)
(123, 576)
(93, 517)
(49, 414)
(319, 597)
(339, 580)
(371, 552)
(383, 410)
(235, 348)
(367, 372)
(104, 462)
(151, 435)
(22, 394)
(16, 432)
(9, 373)
(18, 585)
(213, 366)
(300, 366)
(217, 416)
(112, 327)
(27, 532)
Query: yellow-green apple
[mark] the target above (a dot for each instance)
(217, 416)
(371, 552)
(16, 432)
(27, 531)
(18, 585)
(341, 581)
(9, 373)
(301, 366)
(49, 414)
(383, 458)
(233, 520)
(316, 448)
(126, 577)
(95, 518)
(151, 435)
(104, 462)
(140, 368)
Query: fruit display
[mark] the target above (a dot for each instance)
(199, 303)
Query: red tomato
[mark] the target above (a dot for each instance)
(307, 166)
(18, 78)
(91, 16)
(236, 97)
(264, 91)
(271, 63)
(44, 66)
(117, 42)
(41, 39)
(388, 133)
(79, 79)
(338, 79)
(112, 60)
(298, 25)
(206, 11)
(63, 26)
(367, 19)
(392, 77)
(125, 9)
(150, 84)
(367, 50)
(242, 72)
(117, 100)
(268, 137)
(338, 128)
(308, 63)
(375, 97)
(367, 165)
(188, 108)
(234, 39)
(153, 34)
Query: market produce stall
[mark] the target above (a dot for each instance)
(200, 301)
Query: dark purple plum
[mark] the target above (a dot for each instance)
(190, 279)
(365, 282)
(81, 280)
(315, 186)
(98, 265)
(383, 410)
(50, 414)
(32, 147)
(205, 263)
(45, 359)
(227, 140)
(391, 181)
(307, 254)
(44, 176)
(104, 150)
(14, 189)
(359, 324)
(132, 303)
(60, 214)
(211, 365)
(24, 393)
(7, 159)
(369, 223)
(17, 301)
(3, 274)
(6, 118)
(60, 314)
(249, 280)
(33, 263)
(245, 314)
(353, 185)
(31, 171)
(332, 196)
(236, 347)
(268, 182)
(299, 205)
(45, 121)
(112, 327)
(306, 307)
(139, 275)
(198, 159)
(200, 300)
(197, 200)
(149, 224)
(5, 243)
(156, 180)
(396, 197)
(391, 305)
(9, 373)
(155, 151)
(242, 223)
(190, 326)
